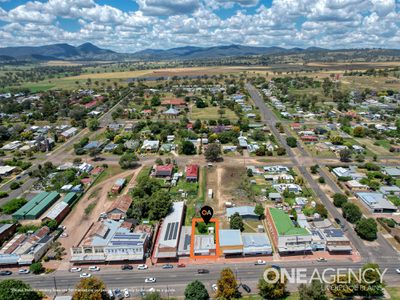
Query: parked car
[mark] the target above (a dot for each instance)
(167, 266)
(260, 262)
(150, 280)
(246, 288)
(85, 275)
(142, 267)
(337, 220)
(5, 273)
(75, 269)
(94, 268)
(181, 265)
(202, 271)
(110, 293)
(126, 293)
(64, 235)
(23, 271)
(321, 259)
(126, 267)
(398, 271)
(214, 287)
(118, 294)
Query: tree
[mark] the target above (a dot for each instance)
(227, 285)
(314, 169)
(367, 229)
(359, 131)
(14, 185)
(275, 288)
(315, 291)
(196, 291)
(36, 268)
(213, 152)
(13, 205)
(321, 210)
(93, 124)
(259, 210)
(250, 172)
(291, 142)
(236, 222)
(321, 180)
(128, 161)
(159, 205)
(281, 151)
(351, 212)
(90, 289)
(345, 155)
(188, 148)
(339, 199)
(152, 296)
(11, 289)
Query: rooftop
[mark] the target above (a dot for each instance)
(230, 237)
(242, 210)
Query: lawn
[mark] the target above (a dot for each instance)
(211, 113)
(107, 173)
(394, 292)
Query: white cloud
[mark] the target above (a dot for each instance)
(167, 7)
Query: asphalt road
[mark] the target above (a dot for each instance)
(174, 281)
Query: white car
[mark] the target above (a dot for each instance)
(64, 235)
(94, 268)
(150, 280)
(126, 293)
(142, 267)
(398, 271)
(321, 259)
(75, 269)
(23, 271)
(260, 262)
(214, 287)
(85, 275)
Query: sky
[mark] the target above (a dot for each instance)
(132, 25)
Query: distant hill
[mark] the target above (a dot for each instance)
(56, 52)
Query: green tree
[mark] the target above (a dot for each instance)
(11, 289)
(275, 288)
(351, 212)
(321, 210)
(367, 229)
(227, 285)
(128, 161)
(159, 205)
(213, 152)
(315, 291)
(13, 205)
(93, 124)
(236, 222)
(359, 131)
(90, 289)
(152, 296)
(36, 268)
(188, 148)
(291, 142)
(196, 291)
(259, 210)
(339, 199)
(345, 155)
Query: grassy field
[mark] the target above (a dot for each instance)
(211, 113)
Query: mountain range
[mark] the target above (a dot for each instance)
(88, 51)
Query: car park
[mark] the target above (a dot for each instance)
(150, 280)
(142, 267)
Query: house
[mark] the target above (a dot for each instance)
(295, 126)
(242, 142)
(355, 185)
(180, 103)
(256, 244)
(276, 169)
(358, 149)
(171, 113)
(390, 190)
(119, 208)
(111, 241)
(392, 171)
(26, 248)
(185, 241)
(376, 202)
(350, 172)
(204, 244)
(290, 187)
(287, 238)
(58, 212)
(309, 138)
(163, 170)
(110, 147)
(275, 178)
(6, 170)
(150, 146)
(14, 145)
(277, 197)
(93, 145)
(192, 173)
(118, 185)
(132, 145)
(69, 132)
(246, 212)
(336, 241)
(230, 242)
(394, 149)
(167, 243)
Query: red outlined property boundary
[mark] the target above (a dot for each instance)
(217, 250)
